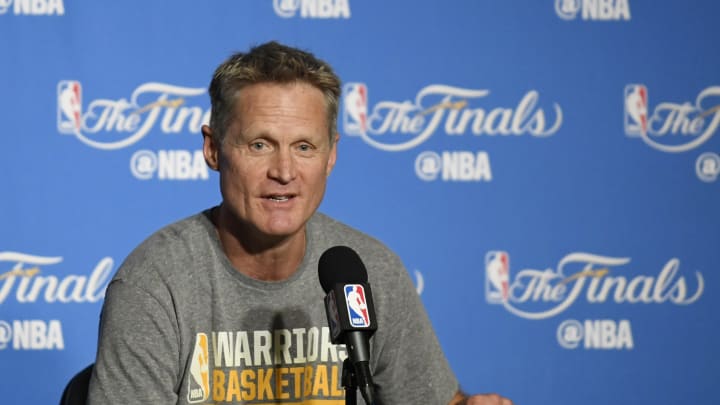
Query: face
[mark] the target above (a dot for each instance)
(274, 160)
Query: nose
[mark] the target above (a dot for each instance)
(282, 168)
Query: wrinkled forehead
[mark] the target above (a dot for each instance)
(295, 97)
(276, 108)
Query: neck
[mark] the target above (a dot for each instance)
(262, 257)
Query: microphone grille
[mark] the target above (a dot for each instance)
(340, 265)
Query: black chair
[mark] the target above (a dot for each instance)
(76, 391)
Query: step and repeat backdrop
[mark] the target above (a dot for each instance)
(547, 170)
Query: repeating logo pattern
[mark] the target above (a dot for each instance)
(636, 109)
(497, 277)
(707, 166)
(672, 127)
(541, 294)
(335, 9)
(396, 126)
(33, 7)
(108, 124)
(593, 10)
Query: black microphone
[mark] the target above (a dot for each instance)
(350, 310)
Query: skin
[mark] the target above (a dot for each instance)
(274, 163)
(480, 399)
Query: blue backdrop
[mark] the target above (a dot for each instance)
(547, 170)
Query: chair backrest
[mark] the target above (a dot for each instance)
(76, 391)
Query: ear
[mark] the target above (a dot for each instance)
(333, 155)
(211, 150)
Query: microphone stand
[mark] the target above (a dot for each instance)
(350, 383)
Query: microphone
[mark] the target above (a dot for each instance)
(350, 311)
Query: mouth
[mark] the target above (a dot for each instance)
(279, 198)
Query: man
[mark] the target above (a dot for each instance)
(225, 306)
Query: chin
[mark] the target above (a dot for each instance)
(282, 228)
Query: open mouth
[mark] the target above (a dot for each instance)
(280, 197)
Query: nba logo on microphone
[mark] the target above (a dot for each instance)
(355, 119)
(357, 305)
(69, 106)
(497, 277)
(636, 110)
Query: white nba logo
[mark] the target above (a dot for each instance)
(636, 109)
(355, 111)
(69, 110)
(497, 277)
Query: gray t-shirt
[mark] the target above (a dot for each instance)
(180, 325)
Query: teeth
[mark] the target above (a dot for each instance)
(279, 198)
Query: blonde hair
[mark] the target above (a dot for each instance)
(271, 62)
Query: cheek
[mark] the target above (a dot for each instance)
(319, 180)
(236, 176)
(235, 164)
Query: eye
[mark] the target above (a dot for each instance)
(305, 147)
(257, 145)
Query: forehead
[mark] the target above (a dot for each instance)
(264, 106)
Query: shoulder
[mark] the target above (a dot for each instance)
(379, 259)
(330, 232)
(168, 250)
